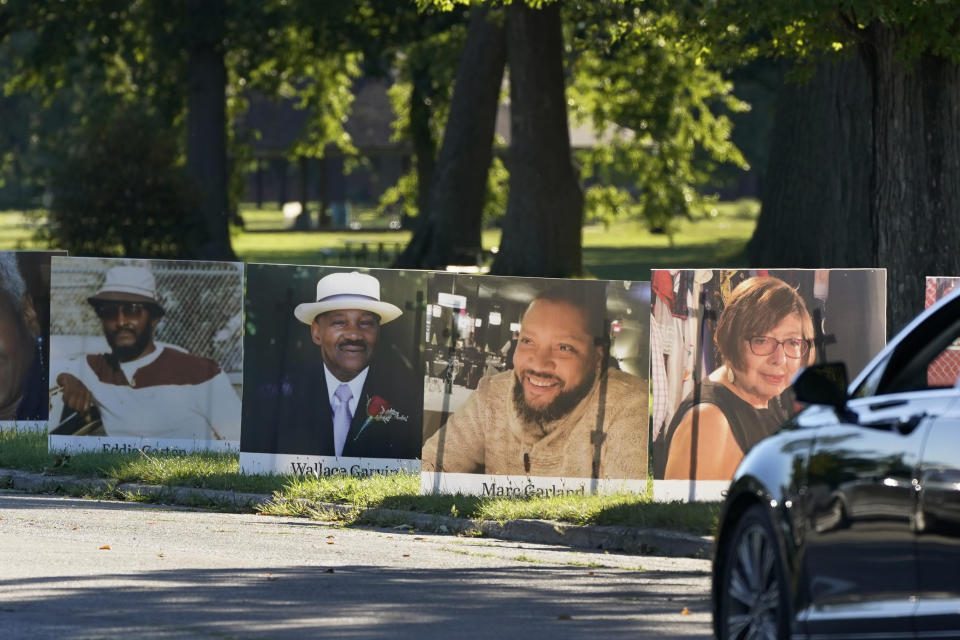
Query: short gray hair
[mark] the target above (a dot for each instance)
(12, 285)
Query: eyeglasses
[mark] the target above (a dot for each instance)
(111, 310)
(792, 347)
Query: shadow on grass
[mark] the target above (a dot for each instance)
(304, 496)
(700, 518)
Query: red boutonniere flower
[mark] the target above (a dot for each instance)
(377, 405)
(379, 410)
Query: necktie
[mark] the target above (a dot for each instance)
(341, 418)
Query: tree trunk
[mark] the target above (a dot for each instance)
(280, 165)
(871, 185)
(259, 183)
(207, 125)
(323, 197)
(544, 219)
(424, 147)
(816, 197)
(916, 195)
(302, 221)
(448, 230)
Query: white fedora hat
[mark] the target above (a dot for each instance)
(353, 290)
(127, 284)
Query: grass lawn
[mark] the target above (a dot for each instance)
(624, 250)
(27, 451)
(16, 231)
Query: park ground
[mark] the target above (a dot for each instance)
(624, 250)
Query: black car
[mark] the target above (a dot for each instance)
(846, 522)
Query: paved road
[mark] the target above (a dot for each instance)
(84, 569)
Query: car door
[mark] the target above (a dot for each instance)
(863, 485)
(858, 561)
(937, 524)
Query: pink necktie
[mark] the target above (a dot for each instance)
(341, 418)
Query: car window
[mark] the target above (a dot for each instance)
(929, 358)
(926, 358)
(869, 385)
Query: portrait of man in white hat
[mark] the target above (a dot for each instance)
(141, 387)
(349, 395)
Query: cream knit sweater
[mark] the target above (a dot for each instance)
(487, 436)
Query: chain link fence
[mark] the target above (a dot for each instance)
(203, 304)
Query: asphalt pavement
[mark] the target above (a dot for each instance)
(85, 569)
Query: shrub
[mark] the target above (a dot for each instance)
(122, 191)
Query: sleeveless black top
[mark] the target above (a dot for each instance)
(748, 424)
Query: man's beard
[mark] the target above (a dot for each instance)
(129, 352)
(564, 403)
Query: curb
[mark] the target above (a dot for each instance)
(659, 542)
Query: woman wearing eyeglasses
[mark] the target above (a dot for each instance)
(764, 335)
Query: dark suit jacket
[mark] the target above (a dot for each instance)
(295, 416)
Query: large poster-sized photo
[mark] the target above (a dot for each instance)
(725, 346)
(24, 338)
(535, 386)
(333, 374)
(145, 355)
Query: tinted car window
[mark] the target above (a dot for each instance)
(869, 385)
(928, 358)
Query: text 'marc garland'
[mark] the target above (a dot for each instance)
(535, 386)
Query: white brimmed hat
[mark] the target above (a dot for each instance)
(340, 291)
(127, 284)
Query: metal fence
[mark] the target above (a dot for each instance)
(203, 304)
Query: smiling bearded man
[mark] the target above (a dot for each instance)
(547, 416)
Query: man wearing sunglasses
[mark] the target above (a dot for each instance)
(143, 388)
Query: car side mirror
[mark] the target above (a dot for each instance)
(822, 384)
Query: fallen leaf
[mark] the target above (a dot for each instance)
(74, 529)
(564, 616)
(685, 612)
(106, 546)
(387, 536)
(329, 541)
(330, 570)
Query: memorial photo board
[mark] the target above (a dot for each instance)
(24, 338)
(725, 346)
(145, 355)
(535, 386)
(334, 370)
